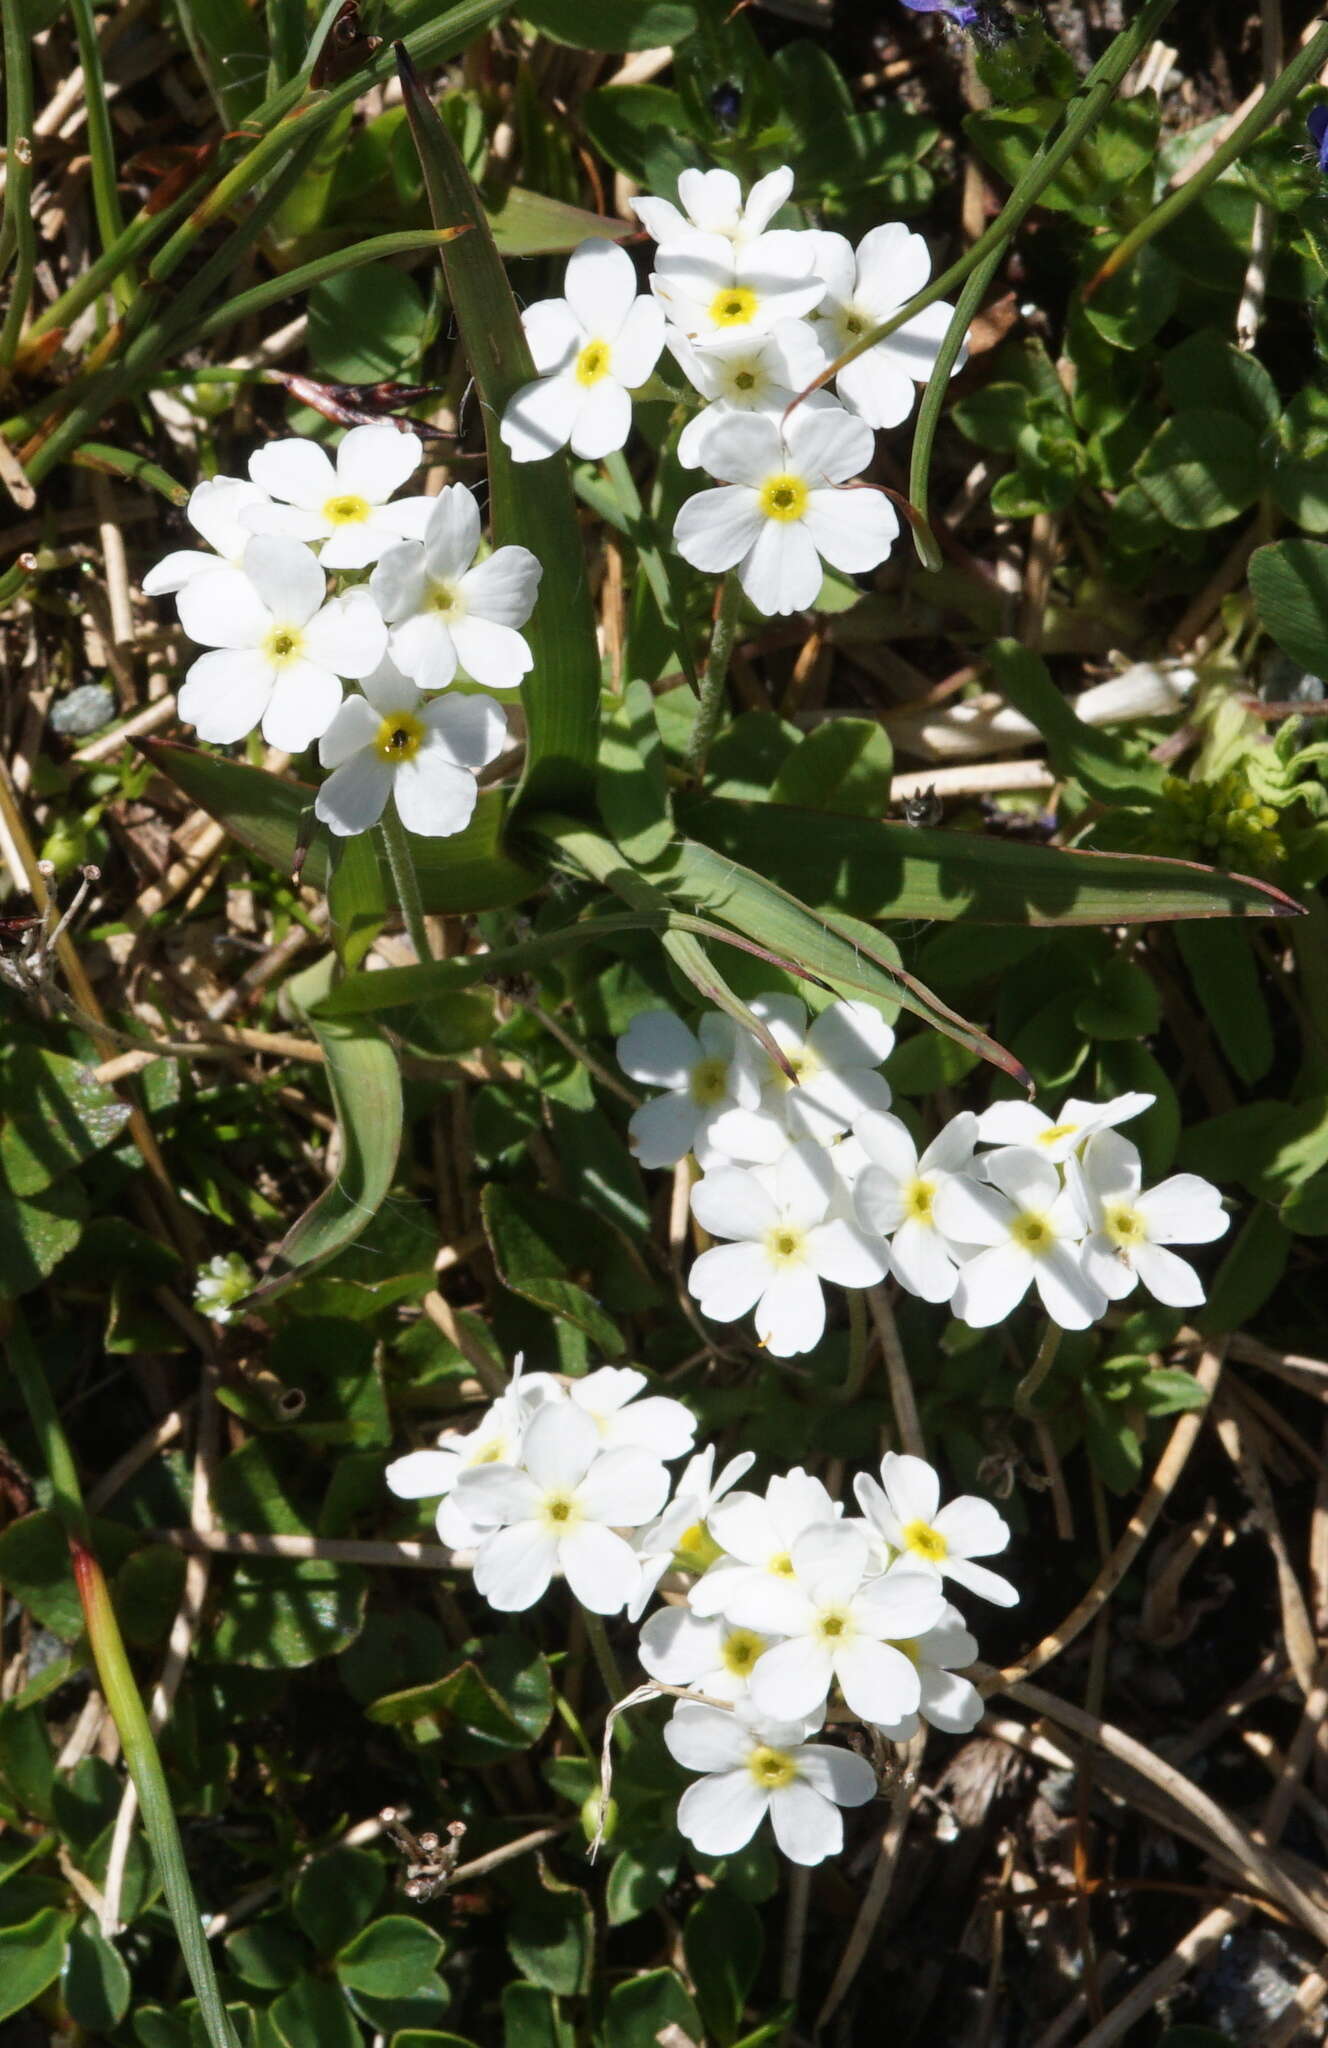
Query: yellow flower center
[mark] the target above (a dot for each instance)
(924, 1541)
(349, 510)
(918, 1200)
(733, 307)
(1033, 1232)
(784, 497)
(745, 380)
(593, 362)
(709, 1081)
(1055, 1134)
(785, 1245)
(283, 645)
(781, 1566)
(492, 1454)
(697, 1549)
(771, 1768)
(398, 738)
(560, 1509)
(741, 1651)
(833, 1625)
(445, 599)
(1124, 1226)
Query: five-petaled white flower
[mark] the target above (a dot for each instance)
(592, 348)
(495, 1440)
(709, 285)
(753, 1768)
(712, 204)
(708, 1654)
(704, 1074)
(1130, 1227)
(837, 1627)
(1021, 1123)
(780, 508)
(863, 290)
(1031, 1229)
(215, 510)
(389, 746)
(610, 1397)
(561, 1511)
(682, 1526)
(895, 1194)
(949, 1702)
(345, 508)
(279, 650)
(905, 1510)
(787, 1244)
(834, 1061)
(446, 615)
(744, 372)
(757, 1533)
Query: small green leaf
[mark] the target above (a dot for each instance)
(640, 1877)
(95, 1983)
(1106, 765)
(609, 25)
(1123, 1003)
(1201, 469)
(633, 790)
(639, 2010)
(30, 1957)
(53, 1116)
(551, 1934)
(1289, 583)
(525, 1234)
(335, 1895)
(1247, 1275)
(390, 1957)
(268, 1953)
(844, 765)
(281, 1614)
(35, 1235)
(367, 325)
(531, 2018)
(1223, 970)
(722, 1942)
(314, 2010)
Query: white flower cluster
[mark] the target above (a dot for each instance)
(281, 647)
(813, 1179)
(751, 314)
(782, 1599)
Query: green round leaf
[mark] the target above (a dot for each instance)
(390, 1957)
(95, 1983)
(335, 1896)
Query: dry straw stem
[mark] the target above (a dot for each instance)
(882, 1877)
(1239, 1443)
(896, 1368)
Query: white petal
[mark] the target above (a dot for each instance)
(742, 1525)
(559, 1447)
(422, 648)
(422, 1475)
(223, 609)
(625, 1486)
(719, 1814)
(1068, 1295)
(600, 285)
(374, 461)
(876, 389)
(173, 571)
(905, 1601)
(729, 1279)
(217, 509)
(225, 693)
(912, 1486)
(657, 1048)
(783, 572)
(602, 1570)
(949, 1702)
(732, 1203)
(715, 529)
(296, 471)
(792, 1679)
(804, 1186)
(888, 1143)
(951, 1150)
(828, 444)
(400, 581)
(553, 333)
(970, 1213)
(513, 1566)
(602, 420)
(434, 797)
(807, 1827)
(286, 575)
(538, 418)
(664, 1427)
(713, 199)
(638, 342)
(988, 1585)
(1028, 1177)
(790, 1316)
(660, 218)
(851, 1034)
(830, 1559)
(660, 1133)
(853, 529)
(1182, 1210)
(355, 795)
(920, 1261)
(497, 1495)
(745, 449)
(348, 636)
(841, 1252)
(677, 1645)
(503, 587)
(766, 197)
(769, 1604)
(1012, 1123)
(452, 534)
(703, 1738)
(304, 701)
(496, 656)
(469, 731)
(879, 1683)
(1168, 1278)
(837, 1774)
(992, 1285)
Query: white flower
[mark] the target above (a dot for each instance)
(609, 1397)
(713, 204)
(890, 268)
(445, 615)
(215, 509)
(834, 1061)
(708, 1654)
(221, 1283)
(836, 1628)
(754, 1768)
(345, 508)
(1032, 1229)
(1019, 1123)
(746, 371)
(682, 1526)
(591, 348)
(389, 746)
(779, 510)
(1130, 1230)
(710, 286)
(279, 649)
(948, 1702)
(561, 1512)
(495, 1440)
(787, 1244)
(757, 1536)
(895, 1194)
(704, 1074)
(904, 1510)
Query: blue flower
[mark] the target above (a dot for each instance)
(1316, 122)
(958, 11)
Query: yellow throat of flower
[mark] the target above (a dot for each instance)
(593, 362)
(734, 306)
(784, 497)
(771, 1768)
(283, 645)
(925, 1542)
(346, 510)
(398, 738)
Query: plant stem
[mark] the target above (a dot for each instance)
(602, 1651)
(859, 1331)
(18, 232)
(405, 881)
(1038, 1370)
(115, 1675)
(716, 675)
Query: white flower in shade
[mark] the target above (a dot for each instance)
(712, 204)
(221, 1283)
(834, 1060)
(215, 510)
(561, 1511)
(495, 1440)
(708, 1655)
(445, 615)
(1031, 1229)
(780, 509)
(837, 1627)
(1020, 1123)
(949, 1702)
(905, 1510)
(753, 1768)
(895, 1194)
(787, 1243)
(592, 348)
(710, 286)
(389, 746)
(891, 267)
(744, 371)
(703, 1073)
(609, 1396)
(1130, 1228)
(279, 649)
(682, 1526)
(757, 1535)
(345, 508)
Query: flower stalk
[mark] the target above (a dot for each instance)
(405, 881)
(716, 675)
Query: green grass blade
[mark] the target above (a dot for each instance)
(101, 141)
(532, 503)
(18, 230)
